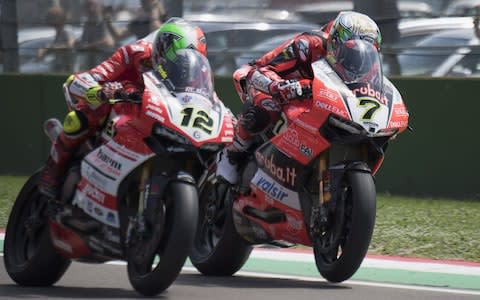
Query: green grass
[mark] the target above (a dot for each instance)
(430, 228)
(435, 228)
(9, 188)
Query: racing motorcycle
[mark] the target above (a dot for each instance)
(310, 179)
(130, 192)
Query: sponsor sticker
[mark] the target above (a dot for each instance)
(371, 92)
(291, 136)
(154, 108)
(284, 174)
(294, 225)
(328, 94)
(154, 115)
(275, 190)
(331, 108)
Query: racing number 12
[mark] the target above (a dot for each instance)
(200, 119)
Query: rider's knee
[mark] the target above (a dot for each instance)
(75, 123)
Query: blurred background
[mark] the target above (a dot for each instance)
(430, 52)
(434, 38)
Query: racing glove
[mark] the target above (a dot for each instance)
(101, 94)
(291, 89)
(112, 90)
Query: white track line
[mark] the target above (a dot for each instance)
(421, 266)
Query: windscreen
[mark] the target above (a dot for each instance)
(358, 61)
(188, 72)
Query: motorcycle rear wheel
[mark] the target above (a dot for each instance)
(29, 256)
(158, 272)
(360, 208)
(218, 249)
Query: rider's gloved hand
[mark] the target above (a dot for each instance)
(112, 90)
(290, 89)
(306, 88)
(98, 94)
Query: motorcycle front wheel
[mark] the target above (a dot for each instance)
(218, 250)
(342, 260)
(151, 273)
(29, 256)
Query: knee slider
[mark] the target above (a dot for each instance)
(75, 122)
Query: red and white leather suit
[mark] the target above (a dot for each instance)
(260, 84)
(125, 66)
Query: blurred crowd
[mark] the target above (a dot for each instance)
(72, 35)
(85, 31)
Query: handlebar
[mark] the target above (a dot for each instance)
(307, 92)
(122, 96)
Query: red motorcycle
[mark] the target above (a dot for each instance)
(310, 179)
(130, 192)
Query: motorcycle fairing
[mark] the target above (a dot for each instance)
(67, 242)
(252, 212)
(269, 189)
(329, 92)
(398, 114)
(375, 110)
(274, 188)
(300, 140)
(118, 121)
(200, 119)
(255, 230)
(102, 172)
(370, 108)
(281, 170)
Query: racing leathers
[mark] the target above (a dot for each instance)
(91, 90)
(284, 74)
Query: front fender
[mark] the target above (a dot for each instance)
(157, 188)
(351, 166)
(157, 185)
(340, 170)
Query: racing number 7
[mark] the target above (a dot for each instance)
(200, 119)
(372, 106)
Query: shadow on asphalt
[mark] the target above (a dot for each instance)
(65, 292)
(191, 280)
(244, 281)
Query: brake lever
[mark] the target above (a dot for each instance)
(307, 92)
(127, 97)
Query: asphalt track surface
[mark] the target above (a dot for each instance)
(271, 274)
(84, 281)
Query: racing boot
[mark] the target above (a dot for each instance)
(51, 175)
(227, 168)
(229, 159)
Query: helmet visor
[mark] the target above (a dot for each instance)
(188, 72)
(357, 61)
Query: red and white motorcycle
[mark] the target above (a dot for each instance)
(130, 193)
(310, 179)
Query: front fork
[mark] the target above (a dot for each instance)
(144, 186)
(319, 214)
(324, 194)
(151, 211)
(329, 193)
(137, 222)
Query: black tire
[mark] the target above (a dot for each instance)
(181, 215)
(218, 249)
(29, 256)
(359, 223)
